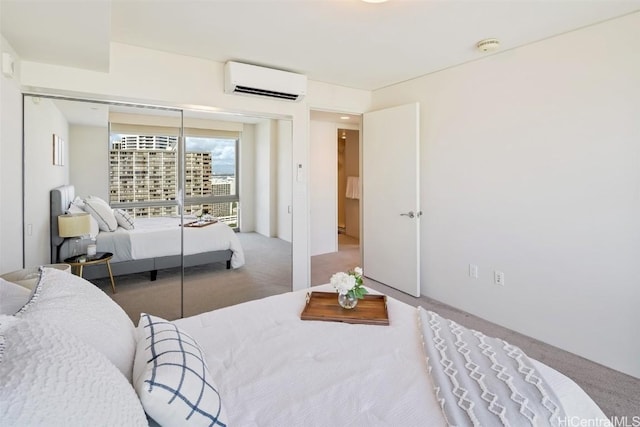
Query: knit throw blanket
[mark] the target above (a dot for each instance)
(484, 381)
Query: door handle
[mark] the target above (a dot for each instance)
(410, 214)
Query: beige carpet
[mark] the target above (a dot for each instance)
(208, 287)
(268, 272)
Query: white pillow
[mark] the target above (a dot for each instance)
(78, 307)
(102, 212)
(12, 297)
(124, 219)
(78, 202)
(172, 378)
(49, 377)
(75, 209)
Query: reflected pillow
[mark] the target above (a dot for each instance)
(75, 208)
(102, 212)
(78, 203)
(124, 219)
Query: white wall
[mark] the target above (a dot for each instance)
(247, 179)
(264, 208)
(42, 175)
(531, 165)
(88, 169)
(323, 187)
(265, 180)
(10, 167)
(352, 168)
(285, 182)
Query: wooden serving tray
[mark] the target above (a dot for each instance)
(371, 310)
(199, 224)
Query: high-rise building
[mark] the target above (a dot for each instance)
(146, 142)
(144, 168)
(138, 175)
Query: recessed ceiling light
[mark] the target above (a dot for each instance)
(345, 117)
(374, 1)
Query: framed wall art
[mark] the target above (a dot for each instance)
(58, 151)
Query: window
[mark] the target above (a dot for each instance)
(143, 175)
(216, 191)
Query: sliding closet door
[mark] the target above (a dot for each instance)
(144, 183)
(126, 156)
(215, 189)
(237, 217)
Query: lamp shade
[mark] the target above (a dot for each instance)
(74, 225)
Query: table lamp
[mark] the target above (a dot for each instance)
(74, 225)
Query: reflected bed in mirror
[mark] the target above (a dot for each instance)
(144, 244)
(234, 167)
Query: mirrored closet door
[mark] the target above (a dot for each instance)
(201, 202)
(237, 198)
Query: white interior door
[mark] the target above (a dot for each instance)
(390, 197)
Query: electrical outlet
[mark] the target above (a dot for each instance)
(498, 277)
(473, 271)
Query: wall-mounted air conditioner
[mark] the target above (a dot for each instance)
(254, 80)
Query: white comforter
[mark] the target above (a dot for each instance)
(158, 237)
(274, 369)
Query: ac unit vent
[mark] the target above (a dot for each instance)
(249, 79)
(264, 92)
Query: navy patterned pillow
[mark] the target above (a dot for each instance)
(171, 377)
(123, 219)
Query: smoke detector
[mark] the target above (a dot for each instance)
(488, 45)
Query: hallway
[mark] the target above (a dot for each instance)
(347, 258)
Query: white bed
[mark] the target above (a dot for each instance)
(264, 366)
(274, 368)
(149, 245)
(159, 237)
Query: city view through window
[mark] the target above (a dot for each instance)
(143, 169)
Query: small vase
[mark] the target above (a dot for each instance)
(347, 301)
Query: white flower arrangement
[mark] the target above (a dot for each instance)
(202, 214)
(350, 283)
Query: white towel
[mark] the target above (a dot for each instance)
(353, 187)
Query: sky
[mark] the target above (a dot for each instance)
(222, 152)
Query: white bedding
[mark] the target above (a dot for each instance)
(158, 237)
(274, 369)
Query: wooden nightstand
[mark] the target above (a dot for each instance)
(80, 261)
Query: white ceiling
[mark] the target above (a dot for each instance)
(344, 42)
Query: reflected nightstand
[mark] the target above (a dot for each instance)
(80, 261)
